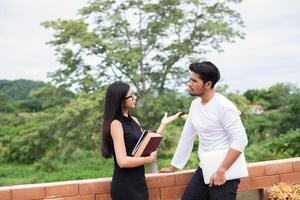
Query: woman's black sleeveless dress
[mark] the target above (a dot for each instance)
(129, 183)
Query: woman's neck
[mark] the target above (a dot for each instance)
(125, 113)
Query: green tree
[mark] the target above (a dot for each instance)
(282, 111)
(290, 113)
(61, 132)
(142, 42)
(274, 97)
(285, 146)
(19, 89)
(44, 98)
(29, 144)
(49, 96)
(78, 126)
(5, 104)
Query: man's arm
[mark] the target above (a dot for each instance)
(184, 147)
(218, 177)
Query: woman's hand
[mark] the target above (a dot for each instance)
(166, 120)
(151, 158)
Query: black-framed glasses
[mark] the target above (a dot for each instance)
(133, 97)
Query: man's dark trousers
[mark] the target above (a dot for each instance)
(198, 190)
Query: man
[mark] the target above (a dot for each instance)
(216, 121)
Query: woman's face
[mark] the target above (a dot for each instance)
(130, 100)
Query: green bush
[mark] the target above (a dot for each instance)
(285, 146)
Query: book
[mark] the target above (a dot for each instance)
(148, 142)
(139, 142)
(211, 161)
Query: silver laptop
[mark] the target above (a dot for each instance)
(211, 161)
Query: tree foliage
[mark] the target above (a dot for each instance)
(19, 89)
(150, 110)
(285, 146)
(67, 127)
(5, 103)
(143, 42)
(274, 97)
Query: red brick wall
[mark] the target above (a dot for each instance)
(161, 186)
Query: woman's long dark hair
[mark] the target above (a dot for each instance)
(115, 94)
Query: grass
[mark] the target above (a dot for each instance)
(87, 168)
(15, 174)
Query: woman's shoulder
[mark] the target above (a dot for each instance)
(115, 123)
(135, 119)
(116, 127)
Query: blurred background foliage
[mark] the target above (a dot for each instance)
(60, 138)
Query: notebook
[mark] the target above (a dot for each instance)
(211, 161)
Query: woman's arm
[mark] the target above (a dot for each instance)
(184, 147)
(124, 161)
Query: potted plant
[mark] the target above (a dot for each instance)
(284, 191)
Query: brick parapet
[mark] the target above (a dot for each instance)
(161, 186)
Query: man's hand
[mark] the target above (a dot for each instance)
(169, 169)
(218, 178)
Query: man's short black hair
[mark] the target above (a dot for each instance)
(207, 71)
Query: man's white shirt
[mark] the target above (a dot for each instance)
(218, 126)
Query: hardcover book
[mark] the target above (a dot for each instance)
(148, 142)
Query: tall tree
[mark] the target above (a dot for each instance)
(143, 42)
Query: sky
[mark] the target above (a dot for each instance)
(270, 52)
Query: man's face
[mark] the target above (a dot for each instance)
(196, 85)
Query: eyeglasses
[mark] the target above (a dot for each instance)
(133, 97)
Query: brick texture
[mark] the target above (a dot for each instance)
(161, 181)
(172, 192)
(279, 168)
(263, 182)
(62, 190)
(5, 195)
(245, 184)
(296, 165)
(28, 193)
(256, 170)
(154, 194)
(103, 197)
(84, 197)
(105, 185)
(290, 178)
(90, 188)
(183, 178)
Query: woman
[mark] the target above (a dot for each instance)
(120, 134)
